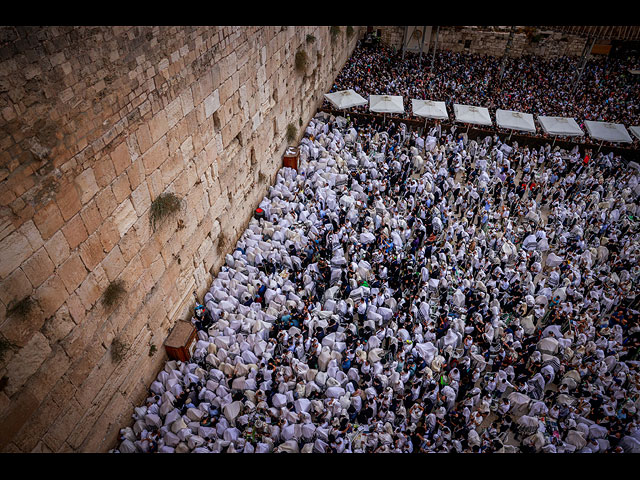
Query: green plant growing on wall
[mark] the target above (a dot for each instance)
(334, 31)
(5, 346)
(310, 38)
(350, 31)
(292, 132)
(222, 243)
(113, 293)
(152, 350)
(23, 308)
(165, 205)
(301, 61)
(118, 350)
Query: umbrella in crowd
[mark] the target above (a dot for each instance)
(515, 121)
(607, 132)
(345, 99)
(386, 104)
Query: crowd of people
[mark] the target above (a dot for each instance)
(418, 292)
(606, 91)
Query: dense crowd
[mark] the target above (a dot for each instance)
(417, 293)
(532, 84)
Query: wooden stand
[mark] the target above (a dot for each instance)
(291, 158)
(181, 342)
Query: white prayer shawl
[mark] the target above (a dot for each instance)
(553, 260)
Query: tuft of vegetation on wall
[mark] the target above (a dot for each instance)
(334, 31)
(113, 293)
(22, 309)
(165, 205)
(301, 61)
(118, 350)
(292, 132)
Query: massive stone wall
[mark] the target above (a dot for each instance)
(488, 40)
(95, 124)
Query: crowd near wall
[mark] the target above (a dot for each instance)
(97, 125)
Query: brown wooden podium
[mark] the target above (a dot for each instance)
(181, 342)
(291, 158)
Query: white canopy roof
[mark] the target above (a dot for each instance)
(429, 109)
(515, 120)
(471, 114)
(560, 126)
(609, 132)
(386, 104)
(345, 99)
(635, 131)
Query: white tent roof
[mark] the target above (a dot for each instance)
(635, 131)
(471, 114)
(560, 126)
(515, 120)
(345, 99)
(386, 104)
(429, 109)
(609, 132)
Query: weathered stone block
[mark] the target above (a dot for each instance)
(124, 216)
(91, 251)
(15, 287)
(212, 103)
(57, 248)
(140, 199)
(87, 185)
(48, 219)
(121, 158)
(51, 295)
(106, 202)
(38, 268)
(155, 156)
(121, 188)
(26, 362)
(113, 264)
(158, 126)
(29, 230)
(91, 217)
(58, 326)
(174, 112)
(109, 235)
(104, 171)
(92, 288)
(15, 249)
(72, 272)
(68, 201)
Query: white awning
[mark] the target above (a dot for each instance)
(472, 114)
(635, 131)
(515, 120)
(386, 104)
(345, 99)
(608, 132)
(429, 109)
(564, 126)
